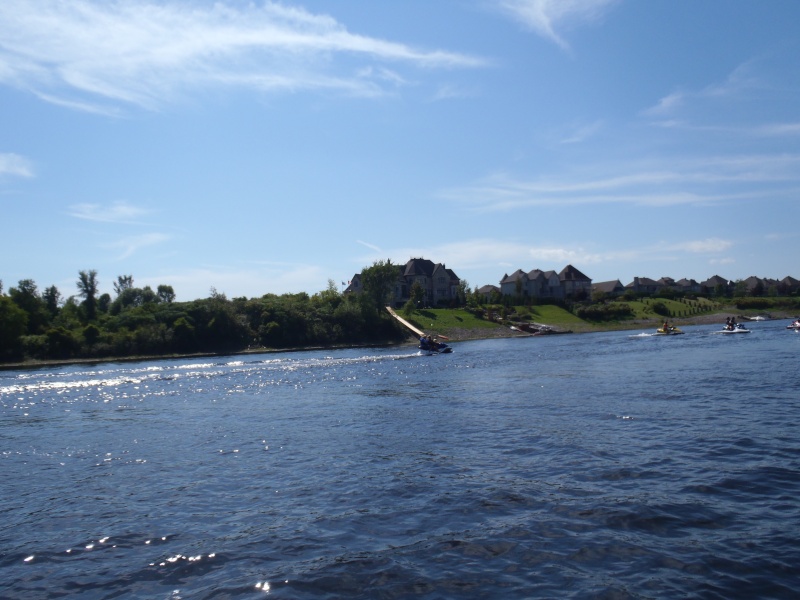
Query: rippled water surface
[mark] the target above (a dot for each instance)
(614, 465)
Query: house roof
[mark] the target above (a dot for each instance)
(419, 266)
(715, 280)
(643, 281)
(686, 282)
(518, 274)
(570, 273)
(424, 267)
(608, 286)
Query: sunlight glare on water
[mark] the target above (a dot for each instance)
(609, 465)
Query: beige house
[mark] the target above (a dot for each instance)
(569, 283)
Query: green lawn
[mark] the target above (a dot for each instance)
(445, 321)
(442, 319)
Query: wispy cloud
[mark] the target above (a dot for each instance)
(132, 244)
(722, 261)
(368, 245)
(583, 133)
(545, 16)
(675, 182)
(15, 165)
(93, 55)
(742, 79)
(707, 246)
(117, 212)
(778, 129)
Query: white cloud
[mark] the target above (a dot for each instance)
(707, 246)
(15, 165)
(86, 54)
(583, 132)
(563, 256)
(118, 212)
(543, 16)
(670, 182)
(132, 244)
(370, 246)
(779, 129)
(666, 105)
(742, 79)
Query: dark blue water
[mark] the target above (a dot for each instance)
(613, 465)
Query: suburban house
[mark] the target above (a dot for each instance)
(488, 292)
(715, 284)
(612, 289)
(689, 286)
(788, 285)
(569, 283)
(644, 286)
(440, 283)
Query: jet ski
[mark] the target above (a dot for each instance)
(428, 345)
(671, 330)
(735, 328)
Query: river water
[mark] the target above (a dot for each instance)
(608, 465)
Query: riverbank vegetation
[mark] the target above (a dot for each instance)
(142, 322)
(38, 326)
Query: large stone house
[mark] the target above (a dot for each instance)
(439, 283)
(788, 285)
(611, 289)
(644, 286)
(715, 284)
(689, 286)
(569, 283)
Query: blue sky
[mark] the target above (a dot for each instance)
(258, 147)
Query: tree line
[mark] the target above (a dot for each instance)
(140, 321)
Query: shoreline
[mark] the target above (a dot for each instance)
(461, 335)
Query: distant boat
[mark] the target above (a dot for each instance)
(672, 330)
(428, 344)
(737, 328)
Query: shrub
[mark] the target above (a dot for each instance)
(605, 312)
(660, 309)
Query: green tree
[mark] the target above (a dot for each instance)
(378, 282)
(13, 325)
(52, 299)
(91, 334)
(123, 282)
(463, 293)
(62, 343)
(417, 294)
(26, 296)
(87, 289)
(165, 293)
(104, 303)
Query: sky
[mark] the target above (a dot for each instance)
(253, 147)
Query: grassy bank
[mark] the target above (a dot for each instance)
(458, 324)
(461, 325)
